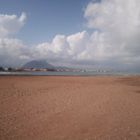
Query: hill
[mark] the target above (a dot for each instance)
(38, 64)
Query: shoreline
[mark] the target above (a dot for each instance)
(66, 74)
(70, 73)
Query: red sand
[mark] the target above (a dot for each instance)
(69, 108)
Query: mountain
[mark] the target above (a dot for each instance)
(38, 64)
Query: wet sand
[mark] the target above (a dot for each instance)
(69, 108)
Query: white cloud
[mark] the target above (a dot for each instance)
(119, 21)
(11, 24)
(64, 48)
(12, 51)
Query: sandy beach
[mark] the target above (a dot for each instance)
(69, 108)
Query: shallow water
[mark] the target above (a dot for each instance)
(49, 73)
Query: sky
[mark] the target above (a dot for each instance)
(46, 18)
(95, 33)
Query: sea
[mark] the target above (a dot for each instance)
(50, 73)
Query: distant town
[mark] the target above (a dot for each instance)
(10, 69)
